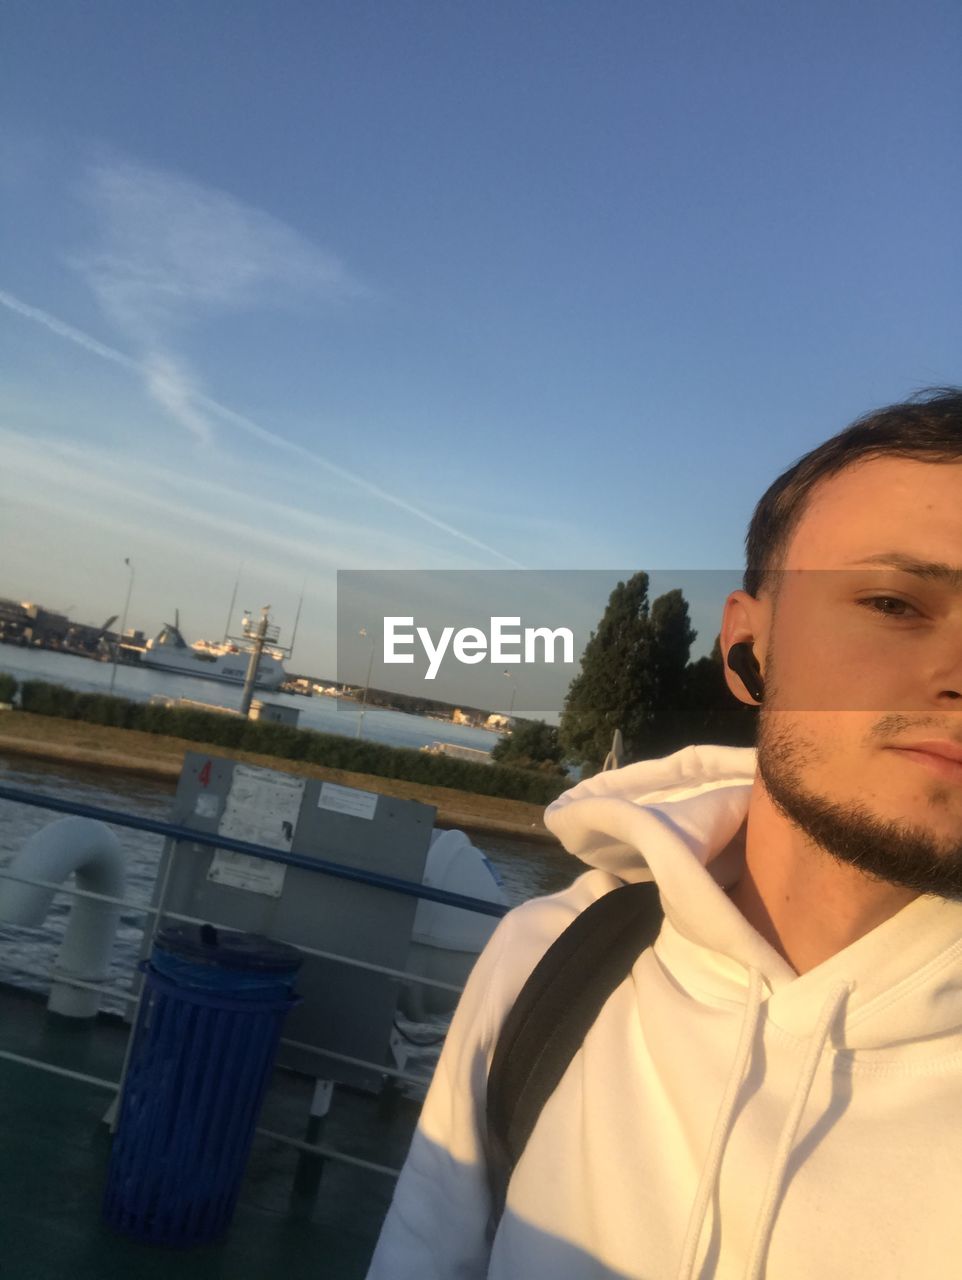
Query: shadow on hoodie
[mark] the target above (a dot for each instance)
(437, 1230)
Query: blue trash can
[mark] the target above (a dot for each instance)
(201, 1059)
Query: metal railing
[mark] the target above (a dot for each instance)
(175, 831)
(189, 835)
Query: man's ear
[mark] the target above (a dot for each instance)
(744, 618)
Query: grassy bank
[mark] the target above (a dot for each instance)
(235, 733)
(159, 756)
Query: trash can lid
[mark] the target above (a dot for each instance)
(228, 949)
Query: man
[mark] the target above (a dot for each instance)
(776, 1089)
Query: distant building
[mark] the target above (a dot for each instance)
(42, 627)
(13, 619)
(461, 717)
(496, 721)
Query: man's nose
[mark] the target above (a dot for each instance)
(946, 678)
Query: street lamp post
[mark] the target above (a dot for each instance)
(514, 690)
(367, 685)
(123, 624)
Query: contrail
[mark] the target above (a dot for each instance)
(227, 414)
(299, 451)
(68, 331)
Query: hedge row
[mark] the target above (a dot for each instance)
(8, 687)
(287, 743)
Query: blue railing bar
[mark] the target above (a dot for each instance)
(100, 1083)
(211, 839)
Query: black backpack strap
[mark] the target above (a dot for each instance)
(552, 1015)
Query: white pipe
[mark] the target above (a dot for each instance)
(90, 851)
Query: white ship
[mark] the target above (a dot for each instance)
(210, 660)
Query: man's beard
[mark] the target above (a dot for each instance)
(895, 852)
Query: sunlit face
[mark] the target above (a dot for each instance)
(863, 665)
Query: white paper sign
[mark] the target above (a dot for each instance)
(262, 807)
(241, 871)
(207, 805)
(359, 804)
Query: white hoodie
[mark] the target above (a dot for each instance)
(725, 1117)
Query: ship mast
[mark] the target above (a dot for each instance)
(261, 633)
(297, 619)
(230, 611)
(258, 635)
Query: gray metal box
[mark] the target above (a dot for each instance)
(346, 1009)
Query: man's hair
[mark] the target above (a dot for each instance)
(927, 427)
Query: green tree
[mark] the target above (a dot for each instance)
(615, 687)
(636, 675)
(532, 744)
(672, 636)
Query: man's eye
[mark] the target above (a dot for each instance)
(878, 604)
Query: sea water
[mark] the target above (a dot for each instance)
(527, 868)
(325, 714)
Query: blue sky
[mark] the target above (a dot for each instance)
(303, 287)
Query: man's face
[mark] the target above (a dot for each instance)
(863, 663)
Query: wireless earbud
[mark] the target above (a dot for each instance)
(743, 662)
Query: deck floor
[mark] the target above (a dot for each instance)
(55, 1150)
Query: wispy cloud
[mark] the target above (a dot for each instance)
(167, 382)
(96, 483)
(169, 252)
(170, 249)
(207, 406)
(314, 540)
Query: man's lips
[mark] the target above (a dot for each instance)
(942, 758)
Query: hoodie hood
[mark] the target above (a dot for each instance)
(615, 820)
(670, 820)
(679, 821)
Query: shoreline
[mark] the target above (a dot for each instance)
(160, 758)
